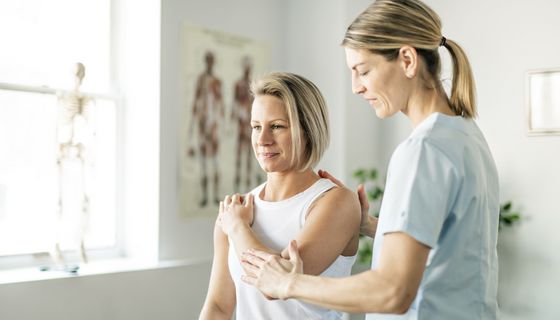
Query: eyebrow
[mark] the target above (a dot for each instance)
(357, 64)
(272, 120)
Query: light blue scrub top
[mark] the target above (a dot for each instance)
(442, 189)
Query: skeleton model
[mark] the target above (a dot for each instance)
(74, 136)
(207, 111)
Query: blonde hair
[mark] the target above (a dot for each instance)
(307, 114)
(387, 25)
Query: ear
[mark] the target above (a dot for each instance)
(409, 61)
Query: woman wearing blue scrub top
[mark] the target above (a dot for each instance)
(435, 239)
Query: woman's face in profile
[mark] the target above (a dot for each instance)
(271, 135)
(381, 83)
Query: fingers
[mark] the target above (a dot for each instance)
(221, 210)
(235, 199)
(249, 200)
(255, 259)
(364, 203)
(285, 253)
(251, 259)
(269, 297)
(326, 175)
(249, 279)
(249, 267)
(293, 251)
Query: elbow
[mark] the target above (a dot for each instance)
(213, 313)
(399, 300)
(211, 310)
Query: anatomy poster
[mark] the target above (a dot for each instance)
(216, 156)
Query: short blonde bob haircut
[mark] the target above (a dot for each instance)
(307, 114)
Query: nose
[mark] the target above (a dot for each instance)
(264, 137)
(357, 87)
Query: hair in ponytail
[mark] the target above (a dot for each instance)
(387, 25)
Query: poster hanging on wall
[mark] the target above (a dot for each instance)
(216, 156)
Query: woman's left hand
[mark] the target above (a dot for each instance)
(233, 211)
(272, 274)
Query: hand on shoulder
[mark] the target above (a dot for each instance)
(235, 210)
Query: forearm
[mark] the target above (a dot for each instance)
(366, 292)
(368, 229)
(244, 238)
(213, 311)
(221, 298)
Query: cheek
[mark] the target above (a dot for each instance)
(395, 89)
(254, 138)
(398, 97)
(286, 141)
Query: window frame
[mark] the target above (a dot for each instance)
(39, 259)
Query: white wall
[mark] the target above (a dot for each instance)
(174, 293)
(313, 31)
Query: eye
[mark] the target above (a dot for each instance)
(276, 126)
(256, 127)
(361, 74)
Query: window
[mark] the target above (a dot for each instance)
(42, 42)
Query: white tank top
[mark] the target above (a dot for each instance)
(275, 224)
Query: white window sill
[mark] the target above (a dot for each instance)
(93, 268)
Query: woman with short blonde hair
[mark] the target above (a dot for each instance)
(307, 107)
(290, 133)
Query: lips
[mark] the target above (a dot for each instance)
(372, 102)
(268, 155)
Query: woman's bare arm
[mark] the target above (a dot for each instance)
(331, 229)
(220, 300)
(390, 288)
(368, 224)
(332, 224)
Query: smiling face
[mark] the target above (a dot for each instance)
(271, 135)
(380, 82)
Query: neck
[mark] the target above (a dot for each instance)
(425, 102)
(280, 186)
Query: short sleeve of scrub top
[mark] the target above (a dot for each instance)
(420, 190)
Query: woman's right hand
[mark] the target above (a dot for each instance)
(233, 211)
(368, 223)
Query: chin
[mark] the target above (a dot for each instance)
(267, 167)
(381, 114)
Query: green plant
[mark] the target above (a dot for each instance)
(507, 217)
(374, 190)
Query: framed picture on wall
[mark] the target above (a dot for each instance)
(543, 101)
(216, 155)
